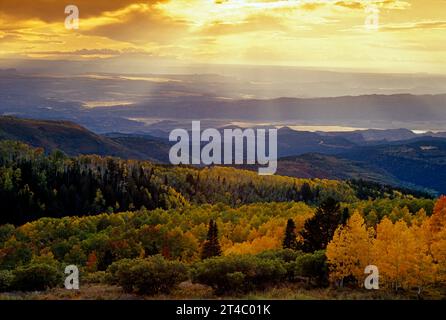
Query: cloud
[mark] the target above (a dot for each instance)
(138, 24)
(350, 4)
(81, 52)
(292, 32)
(423, 25)
(253, 23)
(313, 4)
(8, 38)
(54, 10)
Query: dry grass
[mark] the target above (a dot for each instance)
(86, 292)
(188, 290)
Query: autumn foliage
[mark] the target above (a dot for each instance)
(408, 255)
(147, 227)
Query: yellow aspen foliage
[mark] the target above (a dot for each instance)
(420, 217)
(300, 219)
(438, 248)
(272, 228)
(393, 250)
(422, 269)
(437, 223)
(225, 243)
(349, 252)
(240, 232)
(27, 229)
(398, 214)
(253, 234)
(253, 247)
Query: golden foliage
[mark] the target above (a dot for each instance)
(349, 251)
(407, 256)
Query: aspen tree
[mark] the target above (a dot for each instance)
(349, 251)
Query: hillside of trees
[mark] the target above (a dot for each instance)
(35, 185)
(257, 248)
(148, 229)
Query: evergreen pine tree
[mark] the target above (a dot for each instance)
(319, 230)
(306, 193)
(211, 247)
(289, 242)
(345, 216)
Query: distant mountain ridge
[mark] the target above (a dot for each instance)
(70, 138)
(322, 166)
(374, 135)
(143, 100)
(374, 108)
(370, 155)
(420, 161)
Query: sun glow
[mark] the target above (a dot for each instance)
(316, 33)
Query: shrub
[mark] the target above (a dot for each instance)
(147, 276)
(118, 273)
(238, 273)
(18, 254)
(95, 277)
(313, 266)
(6, 231)
(236, 280)
(6, 280)
(36, 277)
(287, 257)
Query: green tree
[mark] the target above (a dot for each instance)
(211, 247)
(6, 280)
(306, 192)
(147, 276)
(314, 267)
(289, 242)
(99, 201)
(238, 273)
(36, 277)
(319, 230)
(345, 216)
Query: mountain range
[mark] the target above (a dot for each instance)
(74, 139)
(415, 161)
(129, 103)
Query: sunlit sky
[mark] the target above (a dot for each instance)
(411, 35)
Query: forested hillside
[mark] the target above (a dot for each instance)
(243, 249)
(146, 228)
(34, 185)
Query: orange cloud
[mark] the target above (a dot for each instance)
(53, 10)
(253, 23)
(423, 25)
(139, 24)
(282, 32)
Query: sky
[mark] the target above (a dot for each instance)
(389, 36)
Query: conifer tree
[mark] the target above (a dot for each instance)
(211, 247)
(306, 193)
(319, 230)
(345, 216)
(289, 242)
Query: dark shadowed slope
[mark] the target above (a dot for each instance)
(331, 167)
(419, 161)
(70, 138)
